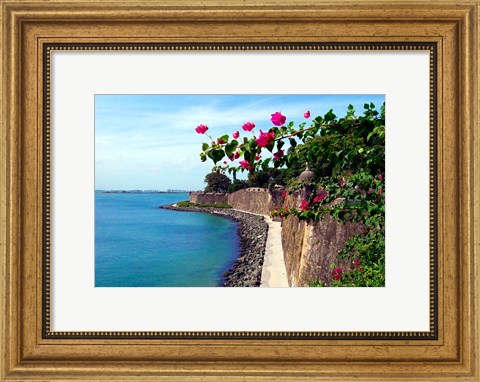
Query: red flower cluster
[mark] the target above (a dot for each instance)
(201, 129)
(235, 135)
(248, 126)
(319, 198)
(278, 119)
(278, 154)
(337, 273)
(307, 114)
(246, 165)
(304, 205)
(265, 138)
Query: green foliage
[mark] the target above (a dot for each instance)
(347, 157)
(187, 203)
(217, 182)
(367, 255)
(237, 184)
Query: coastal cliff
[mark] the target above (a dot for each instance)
(309, 248)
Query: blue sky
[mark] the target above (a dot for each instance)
(149, 142)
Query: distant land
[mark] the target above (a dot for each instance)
(143, 191)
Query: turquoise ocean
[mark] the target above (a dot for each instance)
(138, 244)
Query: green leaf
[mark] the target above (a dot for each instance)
(280, 144)
(231, 147)
(329, 117)
(203, 157)
(224, 138)
(217, 155)
(205, 146)
(265, 164)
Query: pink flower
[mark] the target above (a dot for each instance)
(307, 114)
(201, 129)
(304, 205)
(356, 263)
(248, 126)
(231, 157)
(337, 273)
(278, 155)
(221, 141)
(342, 183)
(235, 135)
(257, 157)
(380, 177)
(284, 194)
(265, 138)
(319, 198)
(380, 192)
(278, 119)
(237, 155)
(224, 162)
(246, 165)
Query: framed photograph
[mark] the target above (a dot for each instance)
(236, 191)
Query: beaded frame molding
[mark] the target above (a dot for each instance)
(49, 48)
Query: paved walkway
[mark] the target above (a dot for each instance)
(274, 273)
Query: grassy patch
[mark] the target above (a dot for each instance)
(186, 203)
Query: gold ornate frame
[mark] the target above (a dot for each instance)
(30, 353)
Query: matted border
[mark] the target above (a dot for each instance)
(432, 334)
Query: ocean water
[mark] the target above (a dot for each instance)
(138, 244)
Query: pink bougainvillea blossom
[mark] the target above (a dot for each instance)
(278, 155)
(319, 198)
(380, 192)
(235, 135)
(246, 165)
(248, 126)
(278, 119)
(356, 263)
(221, 141)
(201, 129)
(337, 273)
(304, 205)
(284, 194)
(257, 157)
(224, 162)
(307, 114)
(380, 177)
(265, 138)
(237, 155)
(342, 183)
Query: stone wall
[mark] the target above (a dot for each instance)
(310, 248)
(256, 200)
(208, 198)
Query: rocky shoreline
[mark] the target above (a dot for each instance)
(252, 230)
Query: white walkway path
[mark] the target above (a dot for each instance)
(274, 273)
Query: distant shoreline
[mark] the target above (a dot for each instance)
(141, 192)
(252, 230)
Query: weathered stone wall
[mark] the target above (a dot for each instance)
(255, 200)
(208, 197)
(310, 248)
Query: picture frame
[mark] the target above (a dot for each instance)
(27, 353)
